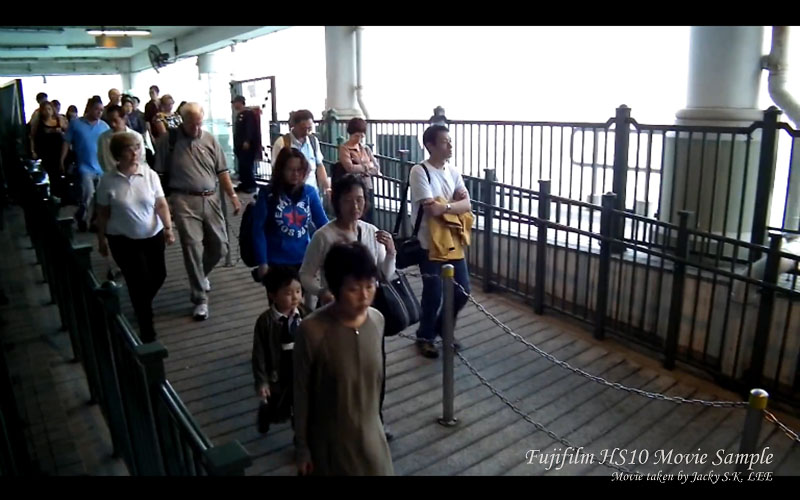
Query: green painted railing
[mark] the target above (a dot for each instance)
(150, 427)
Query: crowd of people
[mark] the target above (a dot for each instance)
(149, 179)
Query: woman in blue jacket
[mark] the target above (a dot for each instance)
(283, 213)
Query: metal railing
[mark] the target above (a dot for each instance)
(150, 427)
(725, 175)
(676, 261)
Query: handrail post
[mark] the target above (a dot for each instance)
(114, 406)
(488, 189)
(678, 286)
(151, 357)
(541, 245)
(765, 309)
(766, 173)
(448, 323)
(752, 424)
(404, 175)
(230, 459)
(620, 177)
(77, 291)
(604, 270)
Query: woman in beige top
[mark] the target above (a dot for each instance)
(357, 158)
(338, 372)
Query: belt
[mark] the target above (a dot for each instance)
(287, 347)
(194, 193)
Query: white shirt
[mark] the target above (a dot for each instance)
(444, 182)
(313, 155)
(104, 156)
(322, 241)
(132, 201)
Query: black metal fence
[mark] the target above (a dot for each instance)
(677, 261)
(150, 427)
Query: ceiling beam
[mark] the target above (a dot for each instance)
(54, 68)
(201, 41)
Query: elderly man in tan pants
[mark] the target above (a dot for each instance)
(193, 161)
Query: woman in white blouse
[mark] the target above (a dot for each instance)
(349, 200)
(133, 221)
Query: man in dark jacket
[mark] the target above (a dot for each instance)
(246, 144)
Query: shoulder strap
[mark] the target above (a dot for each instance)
(400, 213)
(173, 138)
(359, 233)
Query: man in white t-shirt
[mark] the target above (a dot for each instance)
(440, 180)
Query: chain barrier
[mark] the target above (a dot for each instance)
(513, 407)
(578, 371)
(769, 417)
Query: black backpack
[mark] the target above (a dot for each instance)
(246, 250)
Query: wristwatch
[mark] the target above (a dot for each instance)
(447, 208)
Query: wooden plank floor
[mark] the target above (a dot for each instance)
(209, 366)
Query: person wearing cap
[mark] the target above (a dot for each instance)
(246, 144)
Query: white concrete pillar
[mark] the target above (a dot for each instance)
(723, 88)
(340, 71)
(724, 74)
(215, 74)
(127, 82)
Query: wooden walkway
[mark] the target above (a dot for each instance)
(209, 366)
(66, 437)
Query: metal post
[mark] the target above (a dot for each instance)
(541, 245)
(448, 322)
(604, 271)
(620, 179)
(765, 308)
(752, 424)
(77, 290)
(403, 175)
(766, 172)
(151, 357)
(678, 285)
(488, 191)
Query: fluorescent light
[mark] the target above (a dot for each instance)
(117, 32)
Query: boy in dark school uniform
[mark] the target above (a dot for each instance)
(273, 344)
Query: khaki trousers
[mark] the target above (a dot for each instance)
(201, 228)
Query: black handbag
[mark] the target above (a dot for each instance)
(395, 299)
(409, 251)
(264, 417)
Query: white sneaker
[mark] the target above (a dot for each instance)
(206, 285)
(200, 312)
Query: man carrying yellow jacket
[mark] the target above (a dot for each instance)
(438, 189)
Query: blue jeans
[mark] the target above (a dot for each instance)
(430, 324)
